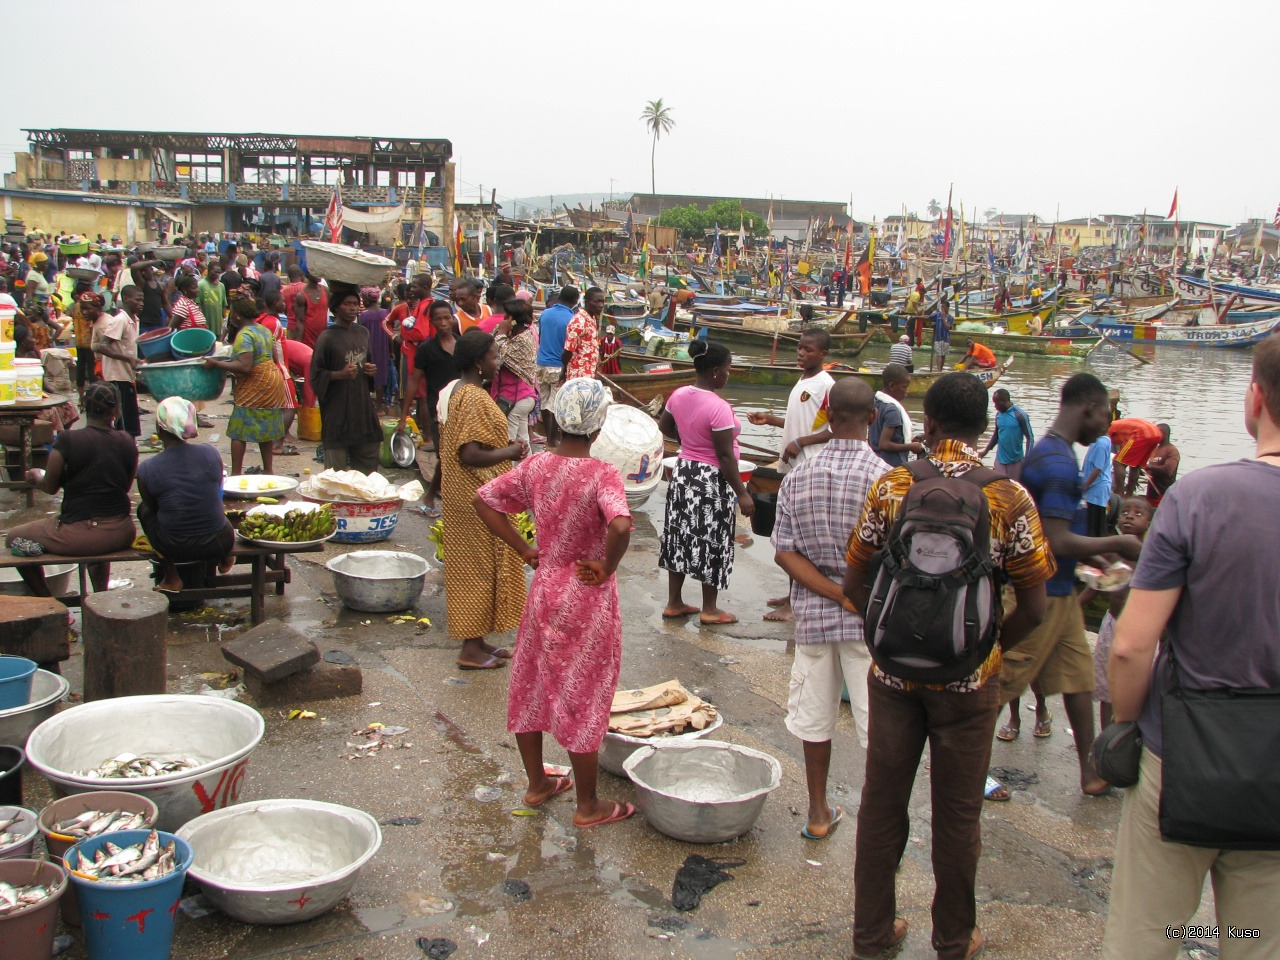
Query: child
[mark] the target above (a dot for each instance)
(569, 650)
(1135, 518)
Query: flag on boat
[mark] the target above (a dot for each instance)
(1173, 207)
(991, 257)
(1075, 247)
(644, 258)
(333, 218)
(457, 247)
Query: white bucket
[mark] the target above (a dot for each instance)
(8, 387)
(7, 317)
(7, 350)
(29, 381)
(631, 441)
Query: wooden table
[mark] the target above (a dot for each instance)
(23, 416)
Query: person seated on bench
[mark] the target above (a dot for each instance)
(181, 488)
(94, 467)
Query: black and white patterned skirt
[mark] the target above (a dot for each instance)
(697, 534)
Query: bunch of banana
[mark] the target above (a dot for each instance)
(296, 526)
(524, 523)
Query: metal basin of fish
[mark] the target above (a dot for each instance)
(617, 747)
(703, 791)
(280, 861)
(218, 734)
(16, 723)
(378, 581)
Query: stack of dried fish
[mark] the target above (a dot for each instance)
(662, 709)
(93, 822)
(128, 765)
(15, 898)
(140, 861)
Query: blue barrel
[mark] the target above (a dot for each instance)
(128, 921)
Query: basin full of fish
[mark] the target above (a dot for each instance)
(131, 766)
(8, 835)
(93, 822)
(15, 898)
(146, 860)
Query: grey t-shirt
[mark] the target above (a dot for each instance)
(1217, 536)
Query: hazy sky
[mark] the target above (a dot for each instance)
(1090, 107)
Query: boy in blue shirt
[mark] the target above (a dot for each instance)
(1096, 474)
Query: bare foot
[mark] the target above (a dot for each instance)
(169, 586)
(670, 613)
(550, 787)
(778, 601)
(781, 615)
(225, 566)
(1095, 787)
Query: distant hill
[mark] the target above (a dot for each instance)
(523, 207)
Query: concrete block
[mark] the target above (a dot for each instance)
(35, 628)
(326, 681)
(271, 651)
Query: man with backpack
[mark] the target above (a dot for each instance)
(924, 559)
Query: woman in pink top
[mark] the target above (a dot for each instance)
(697, 535)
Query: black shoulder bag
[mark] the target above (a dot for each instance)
(1221, 785)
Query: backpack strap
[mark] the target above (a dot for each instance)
(923, 469)
(982, 475)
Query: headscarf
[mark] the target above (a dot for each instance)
(38, 258)
(580, 406)
(93, 299)
(178, 417)
(524, 295)
(242, 260)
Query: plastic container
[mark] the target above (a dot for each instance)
(336, 261)
(7, 351)
(362, 522)
(8, 387)
(47, 690)
(183, 378)
(12, 760)
(153, 345)
(192, 342)
(631, 441)
(762, 519)
(745, 469)
(7, 315)
(219, 733)
(309, 423)
(29, 382)
(15, 681)
(27, 933)
(25, 828)
(129, 921)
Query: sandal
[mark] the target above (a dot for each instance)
(620, 812)
(1009, 733)
(288, 450)
(1044, 728)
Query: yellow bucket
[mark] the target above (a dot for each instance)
(308, 423)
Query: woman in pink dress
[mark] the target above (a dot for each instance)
(569, 649)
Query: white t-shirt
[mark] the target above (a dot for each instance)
(806, 414)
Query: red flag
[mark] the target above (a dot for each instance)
(1173, 208)
(848, 252)
(333, 218)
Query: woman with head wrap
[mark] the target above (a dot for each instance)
(258, 391)
(697, 535)
(516, 387)
(181, 488)
(484, 585)
(94, 469)
(569, 650)
(342, 378)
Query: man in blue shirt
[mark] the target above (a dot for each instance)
(1056, 652)
(942, 324)
(1097, 486)
(1012, 429)
(552, 327)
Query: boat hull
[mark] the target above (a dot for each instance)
(1210, 335)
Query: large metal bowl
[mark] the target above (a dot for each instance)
(617, 747)
(702, 791)
(378, 581)
(280, 861)
(16, 723)
(219, 733)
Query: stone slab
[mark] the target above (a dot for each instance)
(271, 651)
(35, 628)
(326, 681)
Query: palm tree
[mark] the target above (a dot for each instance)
(657, 118)
(934, 209)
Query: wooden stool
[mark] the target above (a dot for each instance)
(124, 648)
(35, 628)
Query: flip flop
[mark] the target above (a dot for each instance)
(1044, 728)
(167, 590)
(718, 621)
(620, 812)
(502, 653)
(1008, 734)
(688, 611)
(492, 663)
(288, 450)
(556, 770)
(837, 814)
(995, 791)
(563, 784)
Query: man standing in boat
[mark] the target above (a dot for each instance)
(914, 309)
(942, 324)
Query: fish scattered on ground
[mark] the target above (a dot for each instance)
(140, 861)
(93, 822)
(129, 766)
(15, 898)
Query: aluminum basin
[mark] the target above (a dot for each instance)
(702, 791)
(280, 861)
(617, 747)
(378, 581)
(17, 723)
(219, 733)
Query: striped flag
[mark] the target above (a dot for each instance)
(333, 218)
(1276, 221)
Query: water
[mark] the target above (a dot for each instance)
(1198, 392)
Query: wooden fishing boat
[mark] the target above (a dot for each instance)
(645, 385)
(736, 335)
(1199, 335)
(1015, 321)
(1066, 343)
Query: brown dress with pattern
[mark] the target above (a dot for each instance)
(484, 582)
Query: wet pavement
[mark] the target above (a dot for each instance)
(1042, 883)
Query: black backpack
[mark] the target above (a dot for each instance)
(934, 613)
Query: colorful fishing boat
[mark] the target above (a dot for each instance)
(1192, 335)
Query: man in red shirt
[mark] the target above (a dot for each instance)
(291, 290)
(414, 329)
(310, 312)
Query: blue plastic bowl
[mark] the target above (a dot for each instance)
(192, 342)
(16, 674)
(154, 343)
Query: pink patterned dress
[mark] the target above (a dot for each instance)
(569, 649)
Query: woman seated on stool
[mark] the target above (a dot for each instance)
(94, 468)
(181, 488)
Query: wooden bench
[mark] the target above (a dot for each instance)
(267, 566)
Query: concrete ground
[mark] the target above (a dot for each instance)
(1042, 884)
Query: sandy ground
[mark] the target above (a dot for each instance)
(1042, 883)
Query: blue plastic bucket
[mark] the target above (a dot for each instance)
(128, 921)
(16, 674)
(192, 342)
